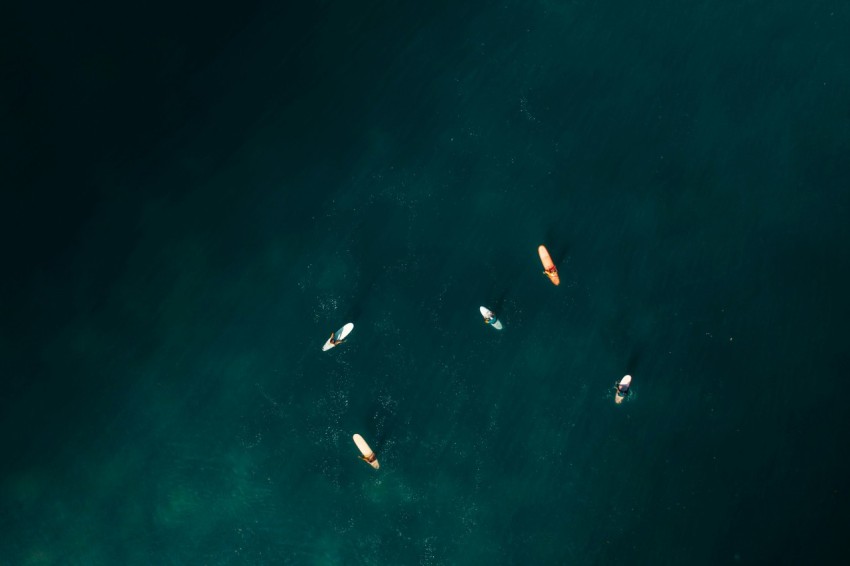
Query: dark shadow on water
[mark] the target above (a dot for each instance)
(363, 292)
(499, 300)
(355, 311)
(557, 244)
(384, 423)
(633, 363)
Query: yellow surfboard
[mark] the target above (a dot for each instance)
(368, 456)
(548, 265)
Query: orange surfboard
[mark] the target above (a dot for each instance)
(551, 271)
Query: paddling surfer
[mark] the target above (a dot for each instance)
(368, 459)
(367, 454)
(334, 341)
(622, 389)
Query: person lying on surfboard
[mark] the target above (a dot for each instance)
(622, 391)
(370, 459)
(335, 342)
(551, 271)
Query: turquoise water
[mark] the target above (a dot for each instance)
(200, 199)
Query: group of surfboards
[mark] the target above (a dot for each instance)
(549, 269)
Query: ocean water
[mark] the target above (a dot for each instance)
(197, 196)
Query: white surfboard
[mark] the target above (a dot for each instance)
(624, 385)
(490, 318)
(338, 336)
(368, 455)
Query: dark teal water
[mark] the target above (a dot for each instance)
(196, 197)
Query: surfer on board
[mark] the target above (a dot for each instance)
(622, 389)
(367, 454)
(369, 459)
(549, 268)
(490, 318)
(338, 337)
